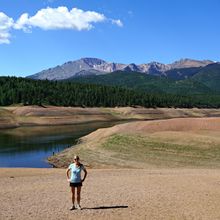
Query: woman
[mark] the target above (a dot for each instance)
(75, 180)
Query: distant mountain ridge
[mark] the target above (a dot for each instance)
(95, 66)
(190, 81)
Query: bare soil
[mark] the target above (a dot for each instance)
(15, 116)
(111, 194)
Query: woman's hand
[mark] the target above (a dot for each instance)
(68, 180)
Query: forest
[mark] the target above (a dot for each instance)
(17, 90)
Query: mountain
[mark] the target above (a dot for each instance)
(209, 76)
(94, 66)
(187, 63)
(72, 68)
(187, 81)
(146, 83)
(182, 73)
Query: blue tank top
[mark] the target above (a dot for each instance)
(75, 172)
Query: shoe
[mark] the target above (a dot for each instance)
(78, 207)
(72, 208)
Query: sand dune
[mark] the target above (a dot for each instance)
(111, 194)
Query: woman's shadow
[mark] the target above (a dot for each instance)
(109, 207)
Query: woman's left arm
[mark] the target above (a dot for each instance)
(85, 174)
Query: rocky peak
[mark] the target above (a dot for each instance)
(187, 63)
(95, 66)
(92, 61)
(132, 67)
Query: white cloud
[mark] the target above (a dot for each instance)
(6, 24)
(52, 19)
(60, 18)
(22, 23)
(117, 22)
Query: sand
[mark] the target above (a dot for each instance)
(17, 116)
(111, 194)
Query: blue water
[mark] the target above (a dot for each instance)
(30, 146)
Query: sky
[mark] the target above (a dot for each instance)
(39, 34)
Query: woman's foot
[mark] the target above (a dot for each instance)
(72, 208)
(78, 207)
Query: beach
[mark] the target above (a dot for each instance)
(111, 194)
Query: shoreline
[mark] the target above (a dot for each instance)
(13, 117)
(173, 143)
(74, 123)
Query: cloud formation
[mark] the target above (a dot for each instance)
(52, 19)
(117, 22)
(6, 23)
(60, 18)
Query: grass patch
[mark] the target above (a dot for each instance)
(151, 150)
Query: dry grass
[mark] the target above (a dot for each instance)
(7, 119)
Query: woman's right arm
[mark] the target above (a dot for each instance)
(67, 174)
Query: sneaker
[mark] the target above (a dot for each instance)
(72, 208)
(78, 207)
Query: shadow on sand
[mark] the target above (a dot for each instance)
(109, 207)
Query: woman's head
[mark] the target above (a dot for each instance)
(76, 159)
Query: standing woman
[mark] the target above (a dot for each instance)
(75, 180)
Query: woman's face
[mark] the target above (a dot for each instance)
(76, 160)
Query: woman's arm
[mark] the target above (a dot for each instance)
(85, 174)
(67, 174)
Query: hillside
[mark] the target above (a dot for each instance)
(209, 76)
(180, 142)
(65, 93)
(147, 83)
(182, 73)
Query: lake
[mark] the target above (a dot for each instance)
(30, 146)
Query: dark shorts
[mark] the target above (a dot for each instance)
(75, 184)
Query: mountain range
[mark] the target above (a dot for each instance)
(183, 77)
(181, 69)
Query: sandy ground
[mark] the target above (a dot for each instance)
(52, 115)
(111, 194)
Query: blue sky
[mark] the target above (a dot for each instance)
(38, 34)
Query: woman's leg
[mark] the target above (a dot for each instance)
(73, 194)
(78, 194)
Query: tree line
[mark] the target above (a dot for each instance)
(15, 90)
